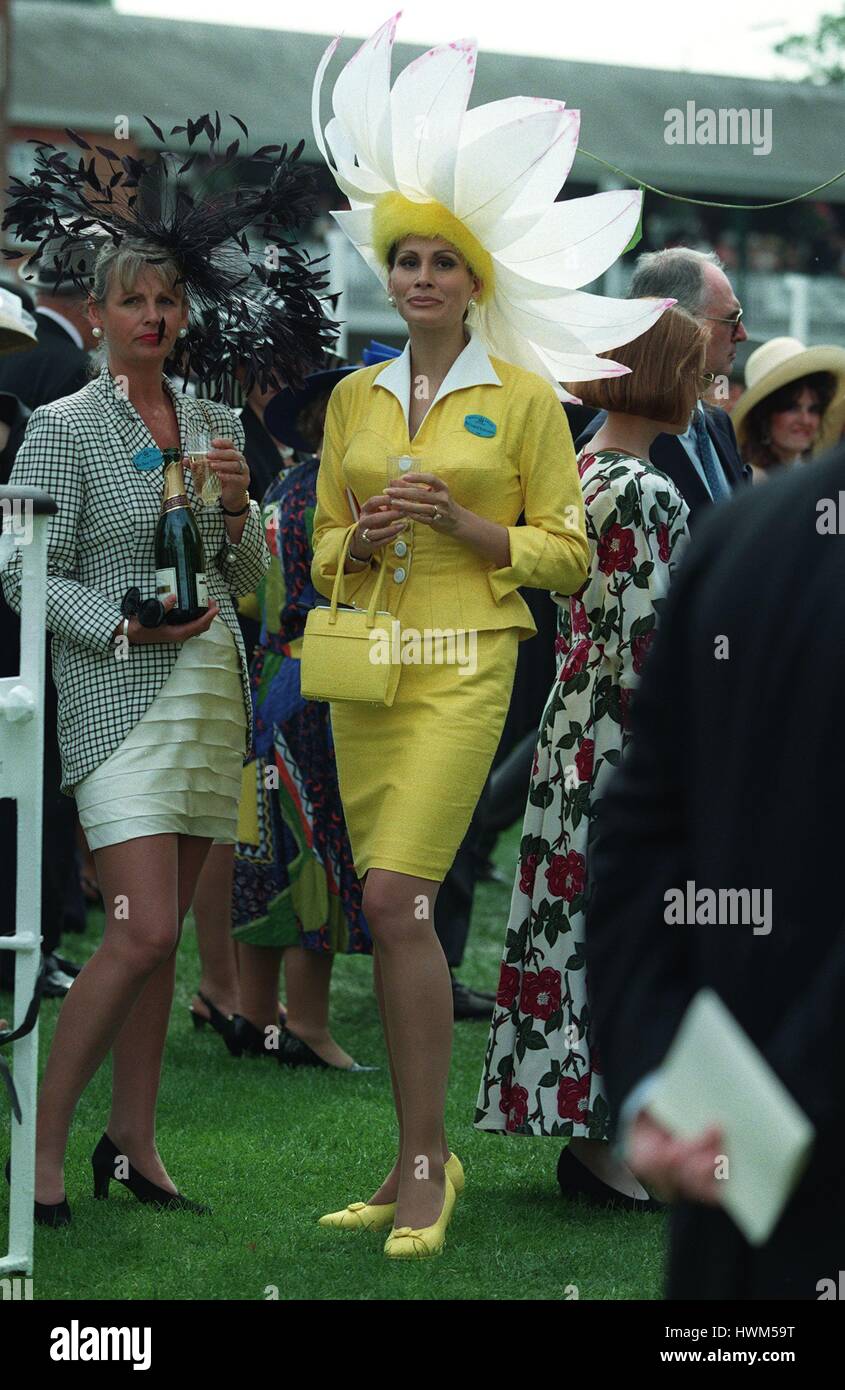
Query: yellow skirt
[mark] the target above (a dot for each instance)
(179, 769)
(410, 775)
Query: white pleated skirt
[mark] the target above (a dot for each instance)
(179, 770)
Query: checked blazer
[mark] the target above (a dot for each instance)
(80, 450)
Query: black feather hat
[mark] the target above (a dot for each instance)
(255, 303)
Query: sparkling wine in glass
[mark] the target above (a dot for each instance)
(206, 482)
(400, 464)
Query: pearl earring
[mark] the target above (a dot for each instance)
(391, 300)
(183, 332)
(97, 332)
(471, 304)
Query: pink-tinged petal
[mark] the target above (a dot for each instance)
(574, 242)
(524, 161)
(428, 103)
(361, 101)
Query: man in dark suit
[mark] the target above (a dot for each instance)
(57, 367)
(734, 780)
(60, 364)
(704, 463)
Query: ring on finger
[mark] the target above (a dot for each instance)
(365, 536)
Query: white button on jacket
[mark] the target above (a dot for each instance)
(398, 575)
(400, 548)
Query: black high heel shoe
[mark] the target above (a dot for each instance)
(103, 1163)
(224, 1024)
(294, 1052)
(46, 1213)
(576, 1180)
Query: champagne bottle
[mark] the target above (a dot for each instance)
(179, 557)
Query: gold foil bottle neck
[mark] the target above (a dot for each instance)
(174, 494)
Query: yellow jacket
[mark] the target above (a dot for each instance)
(527, 465)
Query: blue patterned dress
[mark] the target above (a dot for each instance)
(294, 884)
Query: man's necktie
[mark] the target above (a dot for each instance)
(713, 472)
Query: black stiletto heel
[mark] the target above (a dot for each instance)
(103, 1164)
(224, 1024)
(46, 1213)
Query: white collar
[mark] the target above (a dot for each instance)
(472, 367)
(70, 328)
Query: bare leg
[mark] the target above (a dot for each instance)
(598, 1156)
(390, 1187)
(308, 976)
(213, 916)
(258, 971)
(139, 883)
(417, 1003)
(139, 1046)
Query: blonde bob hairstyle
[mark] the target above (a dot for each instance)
(121, 266)
(666, 376)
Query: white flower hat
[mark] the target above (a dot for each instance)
(412, 160)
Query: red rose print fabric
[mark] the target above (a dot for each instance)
(542, 1071)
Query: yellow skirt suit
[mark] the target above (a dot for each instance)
(411, 774)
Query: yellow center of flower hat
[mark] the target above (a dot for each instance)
(395, 217)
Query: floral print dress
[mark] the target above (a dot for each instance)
(542, 1071)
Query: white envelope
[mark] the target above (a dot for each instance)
(714, 1074)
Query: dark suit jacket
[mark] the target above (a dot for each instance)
(734, 778)
(56, 368)
(669, 455)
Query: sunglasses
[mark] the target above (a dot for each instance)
(735, 320)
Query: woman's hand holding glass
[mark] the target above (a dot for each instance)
(220, 470)
(378, 525)
(425, 498)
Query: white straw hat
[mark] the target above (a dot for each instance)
(778, 362)
(17, 326)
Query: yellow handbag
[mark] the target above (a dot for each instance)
(344, 649)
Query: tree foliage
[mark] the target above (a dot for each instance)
(823, 51)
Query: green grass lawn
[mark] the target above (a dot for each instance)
(272, 1148)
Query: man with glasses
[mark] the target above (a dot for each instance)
(704, 463)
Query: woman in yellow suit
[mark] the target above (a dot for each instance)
(488, 442)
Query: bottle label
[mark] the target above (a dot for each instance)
(166, 583)
(202, 591)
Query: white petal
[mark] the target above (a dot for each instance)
(316, 122)
(427, 103)
(356, 180)
(591, 320)
(361, 101)
(575, 241)
(357, 225)
(527, 159)
(505, 341)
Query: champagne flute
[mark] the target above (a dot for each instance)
(397, 466)
(206, 481)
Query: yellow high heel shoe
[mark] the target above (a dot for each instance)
(403, 1243)
(362, 1216)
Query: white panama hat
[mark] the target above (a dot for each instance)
(778, 362)
(17, 326)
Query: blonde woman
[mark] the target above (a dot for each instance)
(154, 723)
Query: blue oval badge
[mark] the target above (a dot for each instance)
(480, 425)
(148, 459)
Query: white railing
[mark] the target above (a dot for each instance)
(26, 514)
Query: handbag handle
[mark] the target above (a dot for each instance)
(339, 577)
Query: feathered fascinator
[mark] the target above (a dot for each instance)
(412, 160)
(258, 305)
